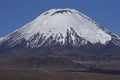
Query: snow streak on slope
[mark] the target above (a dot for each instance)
(1, 38)
(57, 23)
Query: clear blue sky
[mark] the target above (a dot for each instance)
(16, 13)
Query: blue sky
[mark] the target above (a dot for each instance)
(16, 13)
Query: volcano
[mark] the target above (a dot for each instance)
(64, 33)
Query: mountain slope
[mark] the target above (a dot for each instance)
(59, 24)
(64, 33)
(42, 63)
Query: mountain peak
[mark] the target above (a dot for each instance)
(61, 26)
(56, 11)
(62, 33)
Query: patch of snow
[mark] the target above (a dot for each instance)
(1, 39)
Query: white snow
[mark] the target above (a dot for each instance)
(1, 39)
(49, 23)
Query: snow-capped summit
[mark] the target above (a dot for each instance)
(62, 32)
(60, 25)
